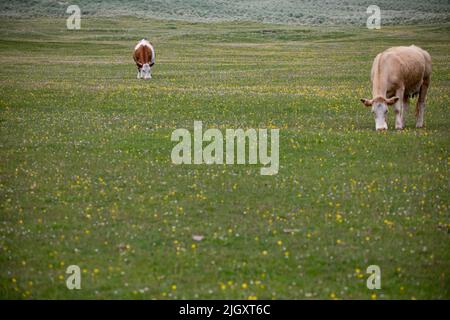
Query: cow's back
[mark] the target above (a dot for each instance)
(403, 66)
(428, 63)
(144, 52)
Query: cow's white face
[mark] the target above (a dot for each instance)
(380, 110)
(146, 71)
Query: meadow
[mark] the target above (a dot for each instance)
(86, 176)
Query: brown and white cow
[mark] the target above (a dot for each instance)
(144, 56)
(398, 74)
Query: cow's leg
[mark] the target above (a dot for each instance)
(398, 109)
(420, 107)
(405, 108)
(139, 74)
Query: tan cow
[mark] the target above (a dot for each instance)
(398, 74)
(144, 56)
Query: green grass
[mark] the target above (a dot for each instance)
(86, 176)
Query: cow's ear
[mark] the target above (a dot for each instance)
(367, 102)
(392, 100)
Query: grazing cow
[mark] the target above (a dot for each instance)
(144, 56)
(398, 74)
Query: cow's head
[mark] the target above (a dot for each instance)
(146, 71)
(379, 109)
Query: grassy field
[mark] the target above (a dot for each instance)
(86, 176)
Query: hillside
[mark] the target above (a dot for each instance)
(269, 11)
